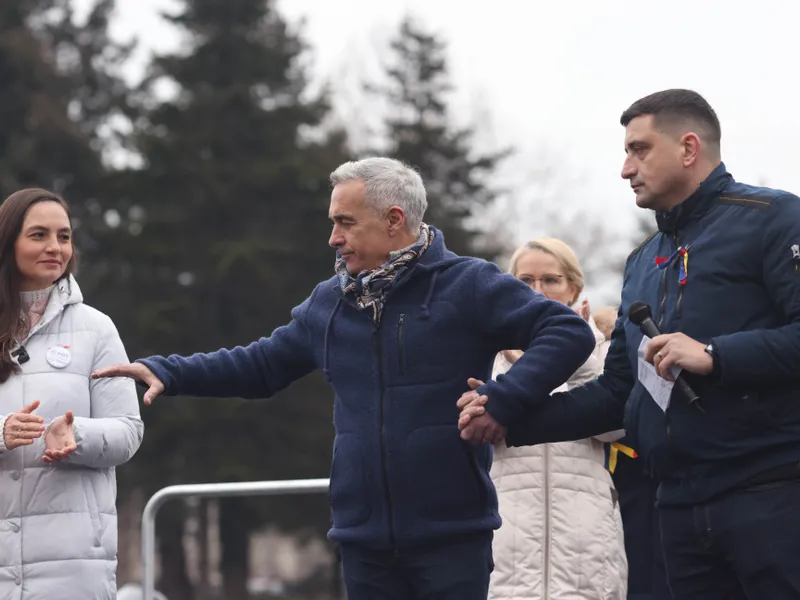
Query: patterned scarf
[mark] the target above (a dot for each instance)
(371, 288)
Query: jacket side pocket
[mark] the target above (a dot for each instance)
(91, 505)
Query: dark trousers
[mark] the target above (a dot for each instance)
(647, 579)
(457, 570)
(742, 546)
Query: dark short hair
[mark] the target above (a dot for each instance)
(671, 106)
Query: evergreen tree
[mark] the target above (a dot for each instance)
(92, 63)
(59, 88)
(420, 132)
(224, 229)
(40, 145)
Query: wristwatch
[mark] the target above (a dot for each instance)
(712, 352)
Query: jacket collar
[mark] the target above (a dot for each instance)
(65, 292)
(697, 204)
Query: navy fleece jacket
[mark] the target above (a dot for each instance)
(401, 475)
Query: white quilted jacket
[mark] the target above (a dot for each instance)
(58, 523)
(561, 536)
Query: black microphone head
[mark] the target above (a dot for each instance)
(638, 312)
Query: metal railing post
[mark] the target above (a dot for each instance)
(209, 490)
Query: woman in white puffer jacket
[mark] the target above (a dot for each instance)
(61, 433)
(561, 536)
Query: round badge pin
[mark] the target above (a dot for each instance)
(58, 357)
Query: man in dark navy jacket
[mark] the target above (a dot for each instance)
(397, 331)
(722, 276)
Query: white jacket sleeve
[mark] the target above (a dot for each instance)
(114, 432)
(2, 437)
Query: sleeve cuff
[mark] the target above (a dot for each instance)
(727, 361)
(162, 374)
(716, 369)
(2, 437)
(89, 439)
(500, 410)
(520, 435)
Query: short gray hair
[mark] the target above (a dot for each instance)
(388, 182)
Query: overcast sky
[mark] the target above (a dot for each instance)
(553, 77)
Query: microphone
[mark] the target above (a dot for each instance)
(640, 315)
(21, 355)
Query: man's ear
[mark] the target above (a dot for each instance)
(691, 148)
(396, 219)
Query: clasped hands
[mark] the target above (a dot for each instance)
(477, 425)
(23, 427)
(664, 352)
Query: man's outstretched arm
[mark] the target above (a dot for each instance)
(258, 370)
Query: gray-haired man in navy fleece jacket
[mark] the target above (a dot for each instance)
(397, 331)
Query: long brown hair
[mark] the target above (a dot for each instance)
(12, 321)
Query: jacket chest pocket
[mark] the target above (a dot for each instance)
(401, 345)
(426, 348)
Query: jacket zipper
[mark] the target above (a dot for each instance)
(546, 570)
(401, 345)
(42, 324)
(679, 304)
(662, 308)
(665, 288)
(19, 351)
(667, 419)
(384, 467)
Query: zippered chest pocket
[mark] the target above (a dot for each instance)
(401, 345)
(429, 348)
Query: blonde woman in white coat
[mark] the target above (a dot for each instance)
(561, 536)
(61, 433)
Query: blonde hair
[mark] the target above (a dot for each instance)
(562, 252)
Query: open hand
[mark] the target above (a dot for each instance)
(59, 438)
(135, 371)
(584, 310)
(21, 428)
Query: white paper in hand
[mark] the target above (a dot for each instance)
(658, 387)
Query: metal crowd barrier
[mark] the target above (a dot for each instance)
(209, 490)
